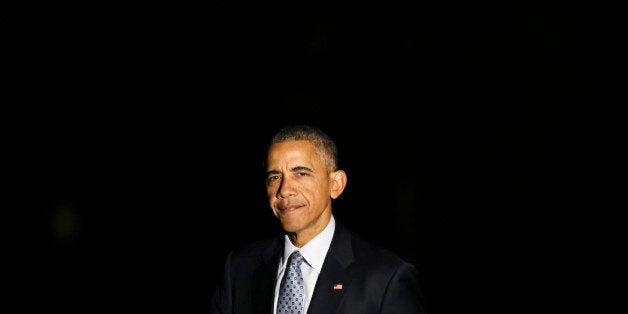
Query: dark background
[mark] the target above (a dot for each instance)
(479, 140)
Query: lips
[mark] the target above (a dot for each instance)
(289, 207)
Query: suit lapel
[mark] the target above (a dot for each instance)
(333, 279)
(263, 285)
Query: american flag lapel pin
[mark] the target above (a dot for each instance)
(338, 286)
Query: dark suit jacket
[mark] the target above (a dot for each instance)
(373, 279)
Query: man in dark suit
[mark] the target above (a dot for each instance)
(340, 272)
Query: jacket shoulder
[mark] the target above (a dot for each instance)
(366, 250)
(255, 249)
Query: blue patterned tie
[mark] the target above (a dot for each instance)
(291, 292)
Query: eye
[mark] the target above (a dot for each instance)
(272, 178)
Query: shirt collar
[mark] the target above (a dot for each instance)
(313, 252)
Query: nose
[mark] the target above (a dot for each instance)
(286, 189)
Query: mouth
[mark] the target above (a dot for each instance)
(288, 208)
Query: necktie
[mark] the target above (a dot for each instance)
(291, 291)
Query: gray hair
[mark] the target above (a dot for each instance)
(323, 143)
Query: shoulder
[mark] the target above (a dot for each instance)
(367, 253)
(367, 264)
(254, 252)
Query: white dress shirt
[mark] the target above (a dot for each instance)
(314, 253)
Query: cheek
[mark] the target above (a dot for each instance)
(272, 199)
(270, 190)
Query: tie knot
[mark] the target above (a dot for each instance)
(295, 259)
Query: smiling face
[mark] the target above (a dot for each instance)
(300, 188)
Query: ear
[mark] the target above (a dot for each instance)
(338, 182)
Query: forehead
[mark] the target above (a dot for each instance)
(292, 153)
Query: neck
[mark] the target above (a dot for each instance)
(298, 240)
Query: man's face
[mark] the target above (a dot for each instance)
(299, 187)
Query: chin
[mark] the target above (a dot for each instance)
(289, 226)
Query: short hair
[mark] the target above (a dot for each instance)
(323, 142)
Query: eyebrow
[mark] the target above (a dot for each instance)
(293, 169)
(301, 169)
(272, 172)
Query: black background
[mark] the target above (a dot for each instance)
(479, 141)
